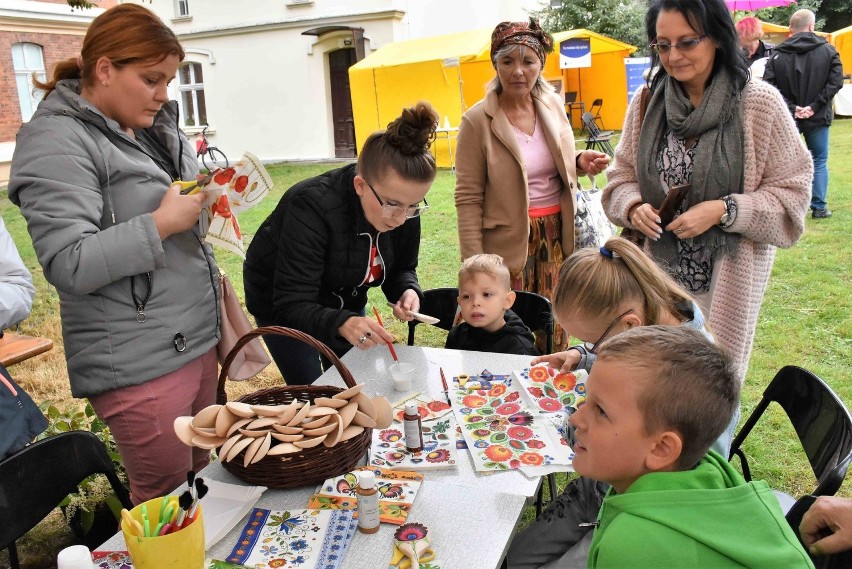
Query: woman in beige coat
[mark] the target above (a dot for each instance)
(516, 166)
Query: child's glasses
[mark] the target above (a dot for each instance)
(593, 347)
(391, 211)
(686, 44)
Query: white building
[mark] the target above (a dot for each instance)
(271, 77)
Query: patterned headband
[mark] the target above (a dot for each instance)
(521, 33)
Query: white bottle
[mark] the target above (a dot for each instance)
(446, 122)
(75, 557)
(368, 502)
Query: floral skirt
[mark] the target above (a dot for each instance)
(544, 257)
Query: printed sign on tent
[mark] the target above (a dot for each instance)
(635, 67)
(575, 52)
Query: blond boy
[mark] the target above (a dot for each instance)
(485, 297)
(657, 398)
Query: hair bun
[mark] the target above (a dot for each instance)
(414, 131)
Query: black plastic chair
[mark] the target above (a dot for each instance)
(595, 110)
(572, 104)
(440, 303)
(596, 138)
(533, 309)
(822, 423)
(842, 560)
(36, 479)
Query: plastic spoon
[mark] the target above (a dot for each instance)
(425, 318)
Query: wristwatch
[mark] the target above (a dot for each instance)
(730, 214)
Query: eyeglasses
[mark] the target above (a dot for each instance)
(687, 44)
(592, 348)
(391, 211)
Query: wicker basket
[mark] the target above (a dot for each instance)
(309, 466)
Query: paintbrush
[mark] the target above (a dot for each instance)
(390, 345)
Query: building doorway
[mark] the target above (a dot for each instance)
(339, 62)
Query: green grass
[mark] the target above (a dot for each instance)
(806, 318)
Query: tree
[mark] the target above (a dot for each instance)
(623, 20)
(82, 4)
(781, 15)
(837, 14)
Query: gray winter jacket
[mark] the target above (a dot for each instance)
(87, 191)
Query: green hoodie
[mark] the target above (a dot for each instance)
(700, 518)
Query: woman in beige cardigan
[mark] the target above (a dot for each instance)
(516, 167)
(734, 142)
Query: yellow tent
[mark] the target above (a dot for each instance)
(776, 33)
(451, 72)
(606, 79)
(842, 41)
(401, 73)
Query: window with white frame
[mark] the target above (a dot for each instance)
(27, 59)
(181, 8)
(191, 91)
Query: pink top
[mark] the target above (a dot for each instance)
(543, 181)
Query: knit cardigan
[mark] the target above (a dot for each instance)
(770, 212)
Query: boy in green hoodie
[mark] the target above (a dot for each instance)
(657, 398)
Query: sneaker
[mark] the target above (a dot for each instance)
(821, 213)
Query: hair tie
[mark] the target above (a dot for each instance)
(606, 252)
(80, 62)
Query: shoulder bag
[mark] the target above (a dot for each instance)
(234, 324)
(592, 228)
(20, 418)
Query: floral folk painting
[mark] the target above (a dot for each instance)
(397, 491)
(231, 191)
(501, 431)
(439, 446)
(548, 390)
(307, 539)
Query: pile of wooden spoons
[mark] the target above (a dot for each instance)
(270, 430)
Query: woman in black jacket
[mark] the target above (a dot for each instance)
(334, 236)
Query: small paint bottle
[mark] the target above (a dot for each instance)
(368, 502)
(412, 428)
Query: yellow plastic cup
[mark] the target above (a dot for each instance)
(183, 549)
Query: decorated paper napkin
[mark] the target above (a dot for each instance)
(233, 190)
(548, 390)
(428, 408)
(112, 560)
(439, 446)
(308, 539)
(500, 429)
(219, 564)
(397, 491)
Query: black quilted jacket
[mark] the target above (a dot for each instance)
(306, 266)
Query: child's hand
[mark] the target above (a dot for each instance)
(563, 361)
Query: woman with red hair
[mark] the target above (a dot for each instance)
(750, 31)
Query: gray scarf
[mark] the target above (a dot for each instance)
(717, 167)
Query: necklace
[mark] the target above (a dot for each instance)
(527, 137)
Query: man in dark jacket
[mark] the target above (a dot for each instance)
(808, 72)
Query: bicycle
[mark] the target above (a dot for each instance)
(208, 153)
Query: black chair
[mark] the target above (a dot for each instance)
(440, 303)
(533, 309)
(595, 109)
(842, 560)
(572, 104)
(822, 423)
(596, 138)
(36, 479)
